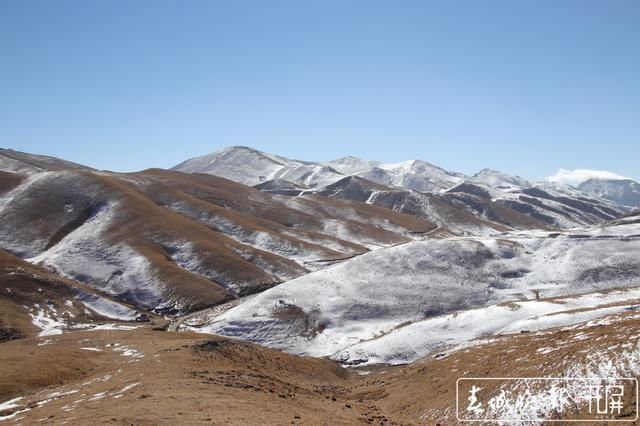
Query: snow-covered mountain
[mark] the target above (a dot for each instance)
(623, 191)
(253, 167)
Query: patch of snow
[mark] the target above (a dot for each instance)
(129, 351)
(97, 396)
(127, 388)
(99, 327)
(49, 326)
(14, 414)
(7, 405)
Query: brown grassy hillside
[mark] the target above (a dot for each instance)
(178, 242)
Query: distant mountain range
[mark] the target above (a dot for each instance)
(178, 240)
(252, 167)
(453, 200)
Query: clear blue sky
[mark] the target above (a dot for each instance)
(522, 86)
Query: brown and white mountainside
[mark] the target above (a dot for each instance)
(16, 161)
(171, 241)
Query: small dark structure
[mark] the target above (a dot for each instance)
(142, 317)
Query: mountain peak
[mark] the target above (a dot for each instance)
(351, 165)
(233, 148)
(499, 180)
(487, 171)
(349, 158)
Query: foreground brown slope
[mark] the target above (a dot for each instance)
(153, 377)
(144, 376)
(175, 242)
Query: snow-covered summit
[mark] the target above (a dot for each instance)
(237, 163)
(421, 176)
(352, 165)
(252, 167)
(499, 180)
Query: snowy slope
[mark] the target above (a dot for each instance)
(328, 311)
(101, 232)
(471, 208)
(416, 340)
(413, 174)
